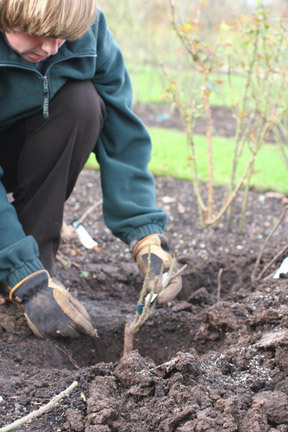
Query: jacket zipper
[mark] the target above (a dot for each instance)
(44, 79)
(46, 97)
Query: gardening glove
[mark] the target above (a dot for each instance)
(160, 264)
(50, 310)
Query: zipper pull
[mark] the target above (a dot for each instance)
(46, 98)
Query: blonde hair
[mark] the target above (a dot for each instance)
(63, 19)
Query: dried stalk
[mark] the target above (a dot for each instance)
(253, 276)
(282, 252)
(238, 148)
(209, 145)
(274, 108)
(269, 125)
(219, 285)
(185, 42)
(129, 329)
(146, 307)
(128, 338)
(189, 122)
(89, 210)
(204, 211)
(282, 135)
(68, 353)
(233, 194)
(43, 410)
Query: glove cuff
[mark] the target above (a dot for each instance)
(153, 239)
(28, 287)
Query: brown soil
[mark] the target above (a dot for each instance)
(215, 359)
(160, 115)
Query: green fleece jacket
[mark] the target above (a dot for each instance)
(123, 149)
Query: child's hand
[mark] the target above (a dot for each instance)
(157, 246)
(50, 310)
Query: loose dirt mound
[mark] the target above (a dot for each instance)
(215, 359)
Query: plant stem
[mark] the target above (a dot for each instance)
(128, 338)
(240, 116)
(283, 251)
(139, 319)
(44, 409)
(253, 277)
(89, 210)
(209, 144)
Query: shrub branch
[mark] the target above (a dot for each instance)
(147, 302)
(43, 410)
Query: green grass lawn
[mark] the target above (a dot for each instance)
(149, 85)
(170, 158)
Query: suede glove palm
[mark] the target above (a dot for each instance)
(50, 310)
(161, 261)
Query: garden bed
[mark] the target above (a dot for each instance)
(215, 359)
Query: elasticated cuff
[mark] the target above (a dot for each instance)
(19, 260)
(21, 273)
(141, 232)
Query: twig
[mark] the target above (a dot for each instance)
(170, 272)
(178, 272)
(130, 327)
(140, 317)
(253, 277)
(68, 353)
(128, 338)
(148, 308)
(148, 304)
(232, 195)
(219, 284)
(89, 210)
(279, 254)
(146, 279)
(63, 259)
(269, 276)
(44, 409)
(209, 144)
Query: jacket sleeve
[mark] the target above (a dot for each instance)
(18, 252)
(123, 150)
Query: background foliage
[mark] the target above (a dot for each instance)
(148, 41)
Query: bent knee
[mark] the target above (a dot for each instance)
(80, 101)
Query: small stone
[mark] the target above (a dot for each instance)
(272, 339)
(168, 200)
